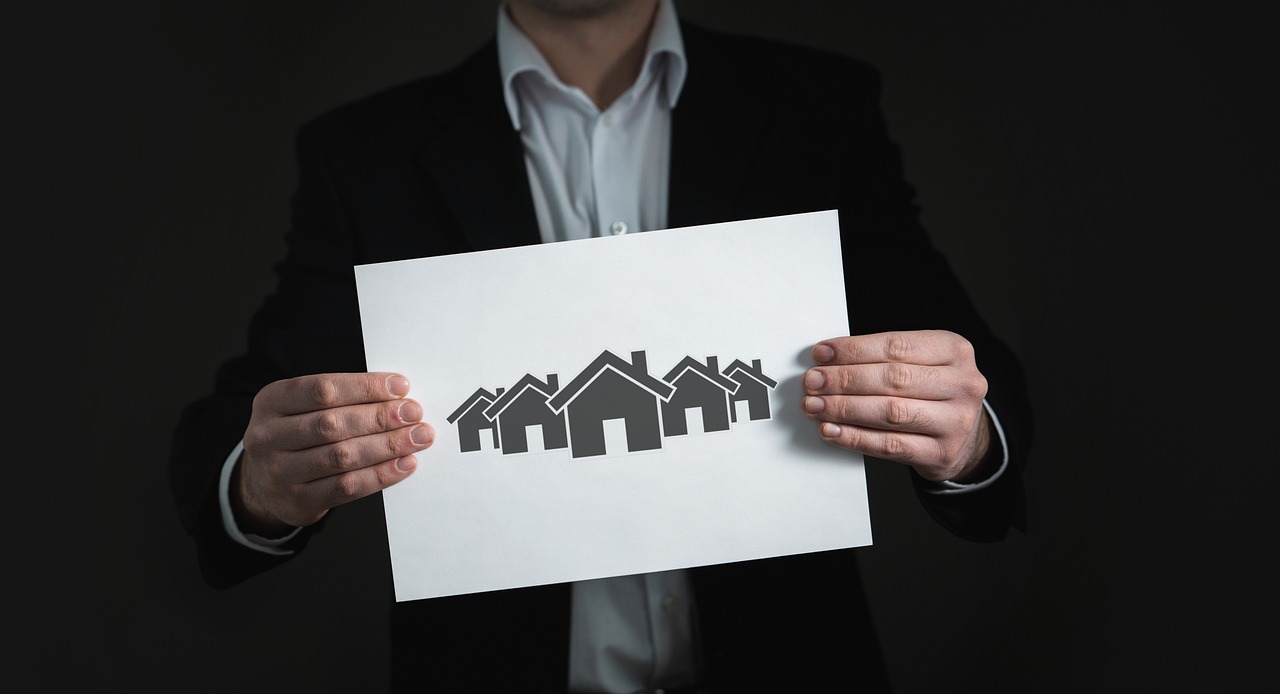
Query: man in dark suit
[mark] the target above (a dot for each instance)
(489, 155)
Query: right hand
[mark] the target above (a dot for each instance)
(320, 441)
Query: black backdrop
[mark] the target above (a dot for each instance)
(1097, 170)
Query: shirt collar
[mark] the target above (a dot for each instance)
(517, 54)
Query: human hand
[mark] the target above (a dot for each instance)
(911, 397)
(319, 441)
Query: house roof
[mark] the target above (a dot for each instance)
(546, 388)
(480, 395)
(638, 374)
(707, 371)
(751, 370)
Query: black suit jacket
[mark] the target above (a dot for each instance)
(434, 167)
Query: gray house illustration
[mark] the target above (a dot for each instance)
(471, 420)
(697, 385)
(611, 388)
(525, 405)
(753, 388)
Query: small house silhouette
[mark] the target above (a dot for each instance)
(697, 385)
(525, 405)
(753, 388)
(612, 388)
(471, 420)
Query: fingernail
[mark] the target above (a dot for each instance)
(830, 430)
(813, 405)
(410, 411)
(422, 435)
(823, 353)
(398, 386)
(406, 464)
(814, 379)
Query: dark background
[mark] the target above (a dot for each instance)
(1097, 171)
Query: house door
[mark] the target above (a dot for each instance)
(693, 421)
(615, 436)
(533, 438)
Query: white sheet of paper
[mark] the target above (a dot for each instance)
(478, 520)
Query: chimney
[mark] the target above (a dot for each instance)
(713, 363)
(639, 361)
(755, 365)
(553, 382)
(499, 393)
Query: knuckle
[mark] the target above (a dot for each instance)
(348, 487)
(977, 386)
(896, 412)
(328, 426)
(385, 476)
(899, 377)
(901, 413)
(899, 347)
(396, 444)
(342, 456)
(324, 391)
(896, 447)
(834, 380)
(386, 417)
(853, 438)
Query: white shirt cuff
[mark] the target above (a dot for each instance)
(266, 545)
(949, 487)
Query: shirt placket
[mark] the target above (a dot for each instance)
(616, 199)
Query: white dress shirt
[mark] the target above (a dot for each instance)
(597, 173)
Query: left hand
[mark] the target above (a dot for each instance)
(911, 397)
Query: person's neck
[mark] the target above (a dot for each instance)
(601, 54)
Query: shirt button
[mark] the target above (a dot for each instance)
(608, 120)
(668, 602)
(619, 228)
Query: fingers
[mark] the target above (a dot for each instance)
(895, 379)
(924, 347)
(319, 495)
(326, 391)
(310, 429)
(914, 397)
(905, 448)
(921, 365)
(935, 438)
(315, 442)
(352, 454)
(885, 413)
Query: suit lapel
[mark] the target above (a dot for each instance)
(477, 161)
